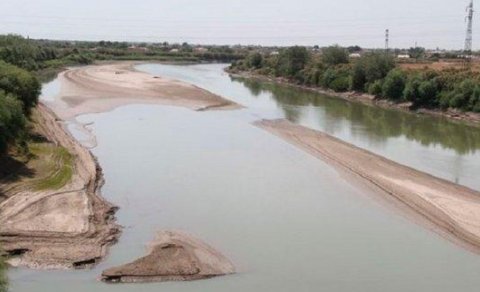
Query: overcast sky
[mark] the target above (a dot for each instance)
(430, 23)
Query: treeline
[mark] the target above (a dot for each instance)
(19, 88)
(37, 55)
(23, 61)
(19, 91)
(375, 73)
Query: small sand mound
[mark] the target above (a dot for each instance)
(174, 256)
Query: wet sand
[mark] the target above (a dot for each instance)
(173, 256)
(71, 227)
(100, 88)
(452, 208)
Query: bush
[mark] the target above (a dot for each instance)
(394, 85)
(255, 60)
(12, 120)
(3, 276)
(20, 83)
(461, 95)
(291, 61)
(370, 68)
(340, 84)
(375, 88)
(428, 91)
(337, 78)
(334, 55)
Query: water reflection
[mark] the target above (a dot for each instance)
(377, 123)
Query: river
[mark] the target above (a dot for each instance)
(287, 220)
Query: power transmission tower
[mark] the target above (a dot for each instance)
(387, 39)
(468, 38)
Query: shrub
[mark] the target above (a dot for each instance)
(291, 61)
(334, 55)
(12, 120)
(370, 68)
(394, 85)
(340, 84)
(20, 83)
(375, 88)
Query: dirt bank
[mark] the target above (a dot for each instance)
(452, 208)
(173, 256)
(100, 88)
(66, 227)
(455, 115)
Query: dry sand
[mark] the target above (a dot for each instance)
(453, 208)
(100, 88)
(71, 227)
(173, 256)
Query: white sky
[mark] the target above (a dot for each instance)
(430, 23)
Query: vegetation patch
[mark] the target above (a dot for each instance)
(375, 72)
(3, 275)
(44, 167)
(53, 161)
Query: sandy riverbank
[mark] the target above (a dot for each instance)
(69, 227)
(100, 88)
(452, 208)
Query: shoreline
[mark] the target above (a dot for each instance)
(71, 227)
(469, 118)
(453, 208)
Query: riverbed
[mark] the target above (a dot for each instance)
(287, 220)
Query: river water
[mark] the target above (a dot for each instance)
(288, 221)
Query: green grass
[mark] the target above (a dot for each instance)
(3, 275)
(54, 164)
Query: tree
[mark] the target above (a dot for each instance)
(12, 120)
(394, 85)
(255, 60)
(354, 49)
(291, 61)
(416, 52)
(20, 83)
(334, 55)
(370, 68)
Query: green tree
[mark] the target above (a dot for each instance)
(12, 120)
(394, 85)
(375, 88)
(255, 60)
(3, 277)
(334, 55)
(416, 53)
(20, 83)
(370, 68)
(291, 61)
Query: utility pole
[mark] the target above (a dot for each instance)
(387, 39)
(468, 39)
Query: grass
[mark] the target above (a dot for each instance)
(54, 165)
(3, 275)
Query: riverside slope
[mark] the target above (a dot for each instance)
(453, 208)
(71, 227)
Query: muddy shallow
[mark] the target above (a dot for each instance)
(287, 221)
